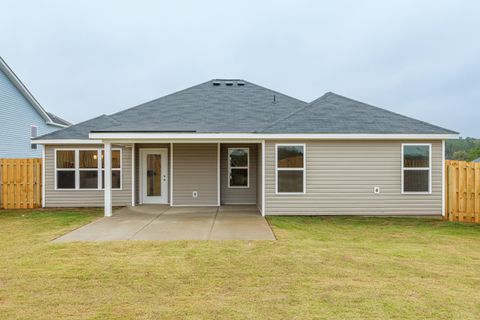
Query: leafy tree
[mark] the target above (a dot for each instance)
(467, 149)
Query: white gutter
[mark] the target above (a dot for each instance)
(57, 124)
(66, 141)
(247, 136)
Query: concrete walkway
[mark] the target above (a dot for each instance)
(159, 222)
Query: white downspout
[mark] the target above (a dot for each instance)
(43, 176)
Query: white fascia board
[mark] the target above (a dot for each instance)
(67, 141)
(57, 124)
(24, 91)
(248, 136)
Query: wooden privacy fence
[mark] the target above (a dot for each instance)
(462, 193)
(20, 183)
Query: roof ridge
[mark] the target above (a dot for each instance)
(386, 110)
(294, 112)
(278, 92)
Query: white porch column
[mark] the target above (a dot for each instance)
(263, 179)
(108, 179)
(133, 175)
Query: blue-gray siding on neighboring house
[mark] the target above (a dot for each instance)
(16, 117)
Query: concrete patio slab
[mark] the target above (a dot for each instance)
(161, 222)
(180, 224)
(123, 225)
(240, 223)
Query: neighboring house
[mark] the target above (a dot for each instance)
(234, 142)
(476, 160)
(22, 118)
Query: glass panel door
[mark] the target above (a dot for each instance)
(154, 175)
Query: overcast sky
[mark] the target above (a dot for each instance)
(81, 59)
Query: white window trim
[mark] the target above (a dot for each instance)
(304, 169)
(429, 169)
(247, 167)
(77, 169)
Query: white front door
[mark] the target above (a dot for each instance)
(154, 175)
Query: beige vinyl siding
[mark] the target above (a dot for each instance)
(238, 195)
(86, 198)
(139, 146)
(341, 175)
(195, 169)
(259, 178)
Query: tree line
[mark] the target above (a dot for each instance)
(467, 149)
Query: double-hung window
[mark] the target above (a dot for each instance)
(290, 168)
(416, 168)
(88, 169)
(84, 169)
(65, 171)
(238, 167)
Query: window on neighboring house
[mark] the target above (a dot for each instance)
(290, 168)
(33, 134)
(238, 167)
(416, 168)
(84, 169)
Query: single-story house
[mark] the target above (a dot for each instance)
(229, 141)
(22, 118)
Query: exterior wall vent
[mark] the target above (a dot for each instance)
(240, 83)
(229, 83)
(216, 83)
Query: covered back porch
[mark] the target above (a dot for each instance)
(191, 173)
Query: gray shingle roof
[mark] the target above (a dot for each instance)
(80, 130)
(333, 113)
(209, 108)
(238, 106)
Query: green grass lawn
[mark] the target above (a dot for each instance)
(324, 268)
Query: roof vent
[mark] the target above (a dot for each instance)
(240, 83)
(216, 83)
(229, 83)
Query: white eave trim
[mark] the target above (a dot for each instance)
(67, 141)
(24, 91)
(247, 136)
(57, 124)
